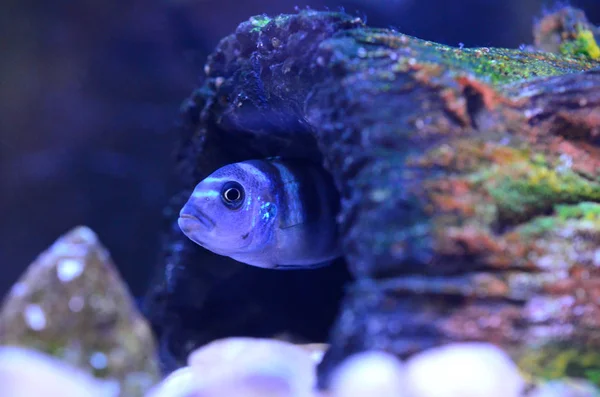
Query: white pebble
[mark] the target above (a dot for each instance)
(258, 385)
(109, 387)
(316, 351)
(368, 374)
(187, 382)
(316, 356)
(27, 373)
(179, 383)
(269, 367)
(463, 370)
(35, 317)
(69, 269)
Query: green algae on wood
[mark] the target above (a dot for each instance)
(494, 65)
(563, 360)
(521, 189)
(567, 31)
(72, 304)
(585, 44)
(587, 210)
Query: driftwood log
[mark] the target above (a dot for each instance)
(469, 183)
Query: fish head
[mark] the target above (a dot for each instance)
(224, 213)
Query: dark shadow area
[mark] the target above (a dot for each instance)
(299, 306)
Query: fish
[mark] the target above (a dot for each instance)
(268, 213)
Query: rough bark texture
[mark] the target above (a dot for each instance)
(470, 178)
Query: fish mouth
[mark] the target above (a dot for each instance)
(190, 220)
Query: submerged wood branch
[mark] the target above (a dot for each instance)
(470, 178)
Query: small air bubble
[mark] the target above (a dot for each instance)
(35, 317)
(98, 360)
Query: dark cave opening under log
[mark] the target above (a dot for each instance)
(216, 297)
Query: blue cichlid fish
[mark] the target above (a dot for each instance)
(267, 213)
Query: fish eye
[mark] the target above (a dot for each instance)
(232, 195)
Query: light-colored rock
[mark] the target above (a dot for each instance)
(185, 383)
(72, 304)
(179, 383)
(28, 373)
(315, 350)
(252, 366)
(369, 374)
(463, 370)
(252, 386)
(565, 388)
